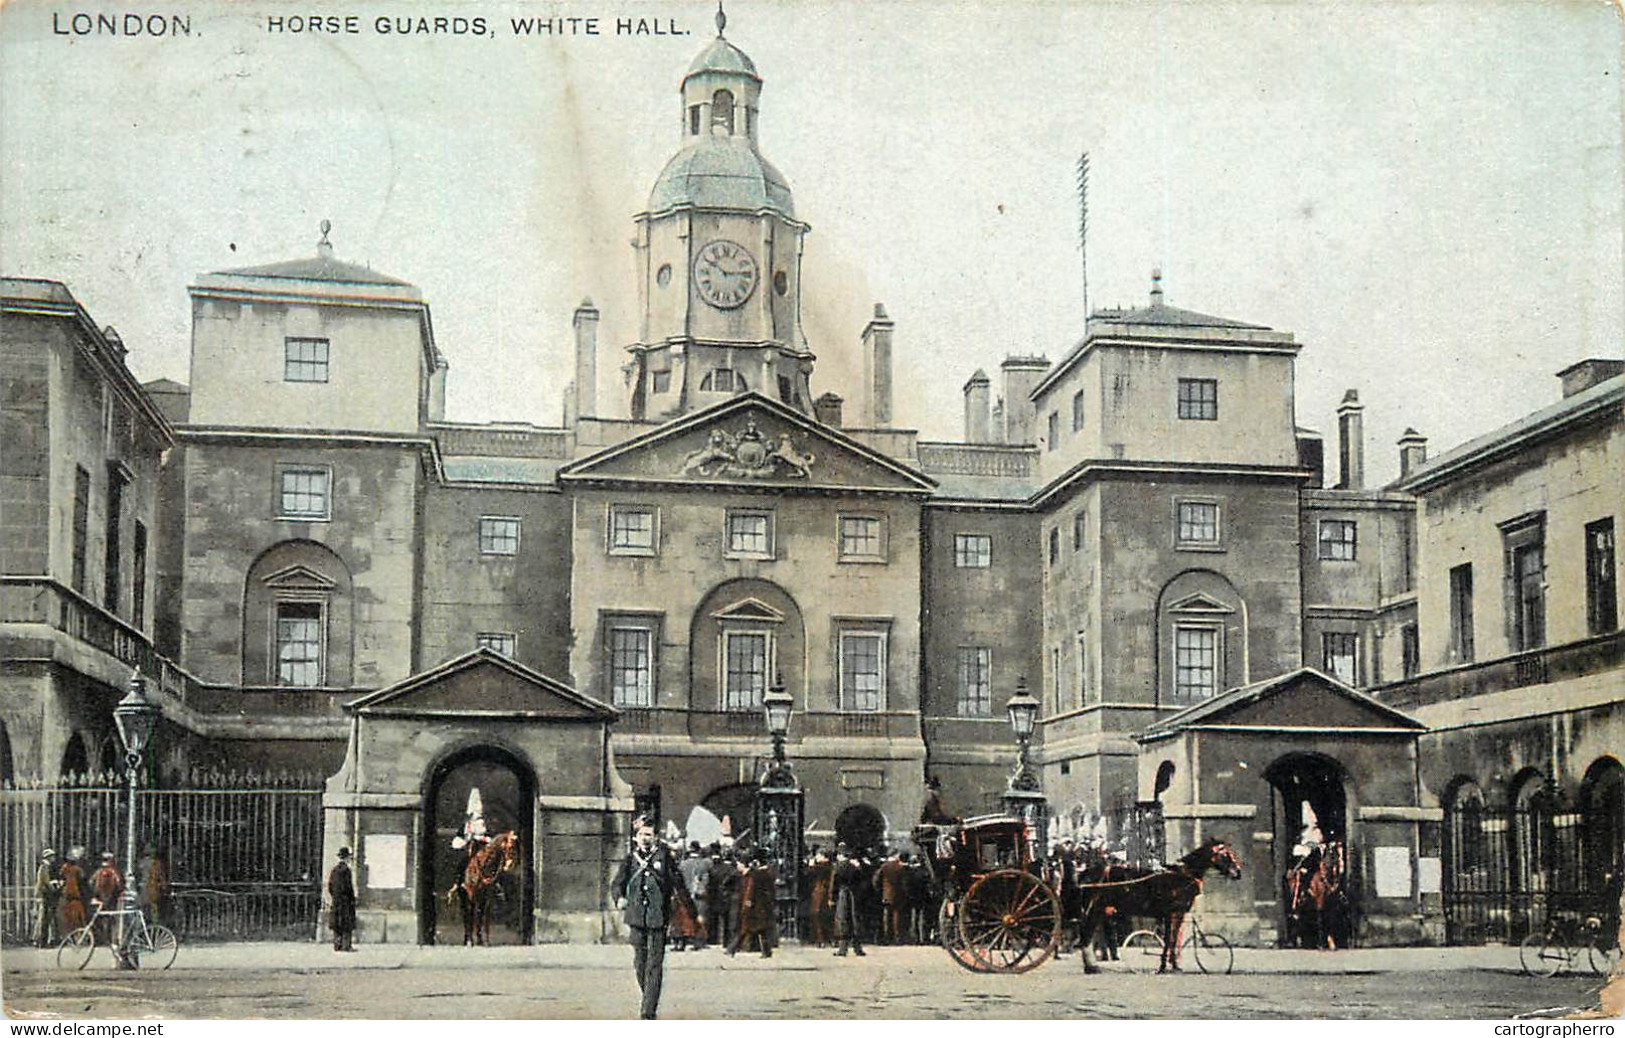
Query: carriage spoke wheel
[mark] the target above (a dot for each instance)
(948, 934)
(1010, 921)
(75, 950)
(1141, 951)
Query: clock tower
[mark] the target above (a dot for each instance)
(719, 257)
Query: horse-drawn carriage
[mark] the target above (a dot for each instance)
(997, 915)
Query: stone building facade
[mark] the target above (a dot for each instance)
(340, 575)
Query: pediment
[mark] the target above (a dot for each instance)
(750, 609)
(1302, 699)
(1199, 603)
(744, 442)
(484, 684)
(300, 577)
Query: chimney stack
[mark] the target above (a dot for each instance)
(437, 388)
(976, 405)
(827, 409)
(1413, 451)
(1577, 378)
(586, 385)
(1021, 375)
(1351, 442)
(877, 370)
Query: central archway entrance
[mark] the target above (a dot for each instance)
(861, 827)
(1310, 806)
(505, 799)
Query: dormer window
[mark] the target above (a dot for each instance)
(722, 112)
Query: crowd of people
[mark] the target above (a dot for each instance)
(65, 892)
(849, 897)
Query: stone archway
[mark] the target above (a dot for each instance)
(861, 827)
(1306, 789)
(1602, 821)
(737, 803)
(507, 792)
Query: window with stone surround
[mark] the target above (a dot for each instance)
(862, 538)
(299, 643)
(1340, 655)
(749, 534)
(304, 492)
(500, 642)
(633, 530)
(1338, 540)
(1198, 524)
(862, 667)
(1199, 399)
(631, 663)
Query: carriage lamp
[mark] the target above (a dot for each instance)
(135, 717)
(776, 704)
(1023, 711)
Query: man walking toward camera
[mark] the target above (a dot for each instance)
(642, 890)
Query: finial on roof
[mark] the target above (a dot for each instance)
(1156, 286)
(722, 19)
(325, 247)
(880, 311)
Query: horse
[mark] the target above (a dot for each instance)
(1166, 896)
(477, 888)
(1317, 896)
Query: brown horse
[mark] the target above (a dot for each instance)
(1317, 896)
(478, 887)
(1165, 896)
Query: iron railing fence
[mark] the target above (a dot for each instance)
(1511, 872)
(238, 856)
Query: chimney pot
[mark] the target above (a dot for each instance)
(1413, 452)
(827, 409)
(877, 370)
(1577, 378)
(977, 392)
(1351, 442)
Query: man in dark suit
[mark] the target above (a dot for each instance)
(341, 913)
(642, 890)
(888, 883)
(844, 884)
(722, 891)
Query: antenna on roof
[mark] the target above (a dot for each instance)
(1083, 227)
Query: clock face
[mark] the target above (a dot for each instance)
(725, 274)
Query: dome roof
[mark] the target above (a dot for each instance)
(722, 56)
(721, 172)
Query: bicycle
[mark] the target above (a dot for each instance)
(155, 943)
(1141, 951)
(1558, 948)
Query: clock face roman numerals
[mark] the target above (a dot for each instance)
(725, 274)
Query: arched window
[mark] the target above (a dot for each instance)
(745, 635)
(1602, 822)
(722, 112)
(1201, 638)
(7, 771)
(1534, 833)
(297, 622)
(1466, 857)
(75, 761)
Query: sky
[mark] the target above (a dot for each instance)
(1428, 195)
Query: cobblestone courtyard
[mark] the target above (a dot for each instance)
(308, 981)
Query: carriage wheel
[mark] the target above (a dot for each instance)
(948, 934)
(1141, 951)
(1010, 921)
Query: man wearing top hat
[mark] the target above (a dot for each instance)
(341, 914)
(642, 890)
(844, 894)
(48, 888)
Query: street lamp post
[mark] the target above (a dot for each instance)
(779, 810)
(135, 716)
(1023, 793)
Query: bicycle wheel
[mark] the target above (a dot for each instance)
(1141, 951)
(75, 950)
(159, 950)
(1211, 951)
(1540, 958)
(1603, 960)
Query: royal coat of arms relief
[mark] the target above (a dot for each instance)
(748, 455)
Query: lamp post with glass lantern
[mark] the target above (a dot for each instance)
(1023, 793)
(135, 716)
(779, 805)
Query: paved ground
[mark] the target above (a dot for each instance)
(309, 981)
